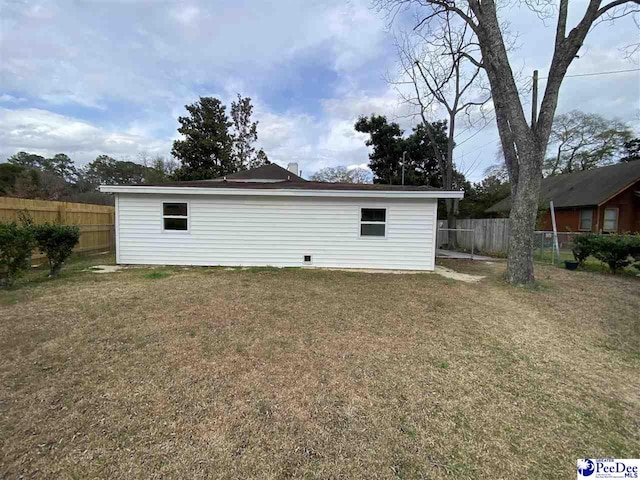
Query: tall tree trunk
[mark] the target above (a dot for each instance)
(523, 146)
(522, 220)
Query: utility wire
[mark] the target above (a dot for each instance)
(476, 132)
(597, 73)
(480, 147)
(544, 78)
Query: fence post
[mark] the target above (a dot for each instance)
(112, 238)
(62, 214)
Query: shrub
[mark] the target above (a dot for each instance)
(56, 242)
(16, 244)
(583, 246)
(617, 251)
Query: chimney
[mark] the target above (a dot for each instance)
(293, 168)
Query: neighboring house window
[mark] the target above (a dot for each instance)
(610, 220)
(586, 219)
(373, 222)
(175, 216)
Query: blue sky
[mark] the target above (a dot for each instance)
(94, 77)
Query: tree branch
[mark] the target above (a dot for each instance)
(614, 4)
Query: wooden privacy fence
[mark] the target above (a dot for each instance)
(490, 235)
(96, 222)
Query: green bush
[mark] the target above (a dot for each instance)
(617, 251)
(583, 246)
(56, 242)
(16, 244)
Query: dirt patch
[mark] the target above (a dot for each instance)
(463, 277)
(105, 268)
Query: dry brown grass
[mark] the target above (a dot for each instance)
(315, 374)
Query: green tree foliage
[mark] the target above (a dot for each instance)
(60, 164)
(107, 170)
(56, 242)
(9, 172)
(158, 169)
(207, 148)
(261, 158)
(342, 174)
(245, 134)
(16, 243)
(39, 184)
(27, 175)
(26, 160)
(214, 145)
(582, 141)
(617, 251)
(388, 145)
(478, 197)
(583, 246)
(631, 150)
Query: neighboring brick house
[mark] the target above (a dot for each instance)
(605, 199)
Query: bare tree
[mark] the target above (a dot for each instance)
(342, 174)
(524, 145)
(581, 141)
(439, 67)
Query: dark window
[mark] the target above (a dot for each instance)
(372, 229)
(307, 259)
(174, 209)
(174, 216)
(175, 224)
(373, 222)
(374, 215)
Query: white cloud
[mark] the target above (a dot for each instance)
(6, 98)
(149, 53)
(46, 133)
(149, 59)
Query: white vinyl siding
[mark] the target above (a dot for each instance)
(277, 231)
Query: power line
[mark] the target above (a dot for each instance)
(480, 147)
(598, 73)
(476, 132)
(543, 78)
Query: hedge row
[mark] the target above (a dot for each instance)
(617, 251)
(17, 242)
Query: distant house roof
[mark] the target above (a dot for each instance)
(266, 173)
(271, 180)
(290, 184)
(273, 177)
(585, 188)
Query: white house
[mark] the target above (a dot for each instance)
(271, 216)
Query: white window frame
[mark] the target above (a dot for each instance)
(590, 210)
(163, 216)
(363, 222)
(604, 219)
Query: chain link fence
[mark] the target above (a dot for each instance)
(545, 252)
(493, 240)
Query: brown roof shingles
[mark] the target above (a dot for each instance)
(584, 188)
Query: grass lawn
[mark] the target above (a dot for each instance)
(264, 373)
